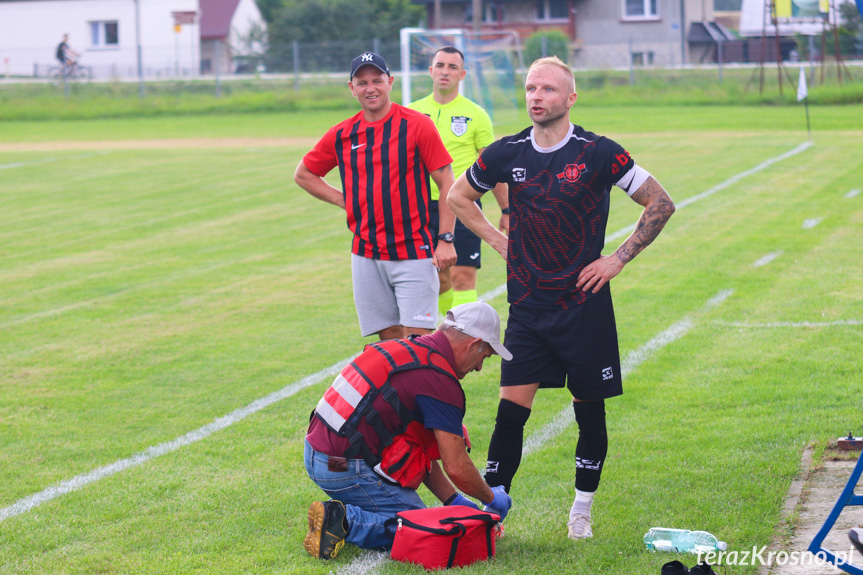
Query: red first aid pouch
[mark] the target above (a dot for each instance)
(443, 537)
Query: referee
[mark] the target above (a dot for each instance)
(561, 328)
(466, 130)
(385, 155)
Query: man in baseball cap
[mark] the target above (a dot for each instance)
(478, 319)
(369, 59)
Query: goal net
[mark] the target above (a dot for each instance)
(491, 59)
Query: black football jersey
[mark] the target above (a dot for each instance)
(559, 200)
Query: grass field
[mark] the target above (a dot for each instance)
(145, 293)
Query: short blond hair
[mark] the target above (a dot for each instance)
(553, 61)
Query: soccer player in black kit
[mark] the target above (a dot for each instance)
(561, 328)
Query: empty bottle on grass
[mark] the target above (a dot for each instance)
(682, 541)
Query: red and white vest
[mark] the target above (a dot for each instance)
(349, 400)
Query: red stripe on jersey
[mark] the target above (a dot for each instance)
(384, 169)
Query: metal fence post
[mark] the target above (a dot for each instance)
(296, 65)
(218, 65)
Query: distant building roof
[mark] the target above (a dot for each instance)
(216, 18)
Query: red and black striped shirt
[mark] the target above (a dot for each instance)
(384, 167)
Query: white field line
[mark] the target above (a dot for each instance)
(782, 324)
(27, 503)
(852, 194)
(79, 481)
(48, 160)
(719, 187)
(635, 358)
(365, 564)
(763, 261)
(811, 223)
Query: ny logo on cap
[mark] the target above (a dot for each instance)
(367, 57)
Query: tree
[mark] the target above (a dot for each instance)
(343, 20)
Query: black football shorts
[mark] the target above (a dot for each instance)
(575, 347)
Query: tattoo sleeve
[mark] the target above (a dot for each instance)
(658, 208)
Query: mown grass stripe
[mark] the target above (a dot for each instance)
(79, 481)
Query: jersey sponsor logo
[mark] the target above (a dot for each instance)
(620, 160)
(519, 174)
(607, 374)
(458, 125)
(571, 173)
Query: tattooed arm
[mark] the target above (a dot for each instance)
(658, 207)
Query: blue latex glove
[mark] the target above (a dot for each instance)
(462, 500)
(501, 502)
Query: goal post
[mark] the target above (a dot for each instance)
(491, 60)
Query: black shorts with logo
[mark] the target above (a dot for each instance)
(574, 347)
(467, 244)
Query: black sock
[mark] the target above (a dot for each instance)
(504, 450)
(592, 446)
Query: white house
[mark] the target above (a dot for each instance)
(229, 28)
(104, 32)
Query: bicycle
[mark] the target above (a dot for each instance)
(72, 72)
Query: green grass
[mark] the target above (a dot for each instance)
(646, 87)
(145, 293)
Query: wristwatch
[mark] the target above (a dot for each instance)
(446, 237)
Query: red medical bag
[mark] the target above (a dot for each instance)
(443, 537)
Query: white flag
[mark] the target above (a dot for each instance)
(801, 86)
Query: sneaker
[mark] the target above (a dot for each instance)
(703, 568)
(326, 529)
(674, 568)
(579, 526)
(856, 537)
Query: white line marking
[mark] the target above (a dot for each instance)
(365, 564)
(27, 503)
(836, 323)
(852, 193)
(564, 418)
(719, 187)
(763, 261)
(48, 160)
(79, 481)
(811, 223)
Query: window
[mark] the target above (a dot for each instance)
(640, 10)
(552, 9)
(104, 35)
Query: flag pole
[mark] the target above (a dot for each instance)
(808, 129)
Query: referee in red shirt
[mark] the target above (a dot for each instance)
(385, 155)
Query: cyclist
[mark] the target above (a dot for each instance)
(66, 55)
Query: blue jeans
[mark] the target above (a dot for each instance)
(371, 503)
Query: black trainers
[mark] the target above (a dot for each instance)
(856, 537)
(674, 568)
(703, 568)
(326, 529)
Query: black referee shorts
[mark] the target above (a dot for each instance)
(467, 244)
(577, 347)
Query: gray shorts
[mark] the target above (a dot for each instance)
(394, 292)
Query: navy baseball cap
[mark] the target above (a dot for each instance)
(369, 59)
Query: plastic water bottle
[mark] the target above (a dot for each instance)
(682, 541)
